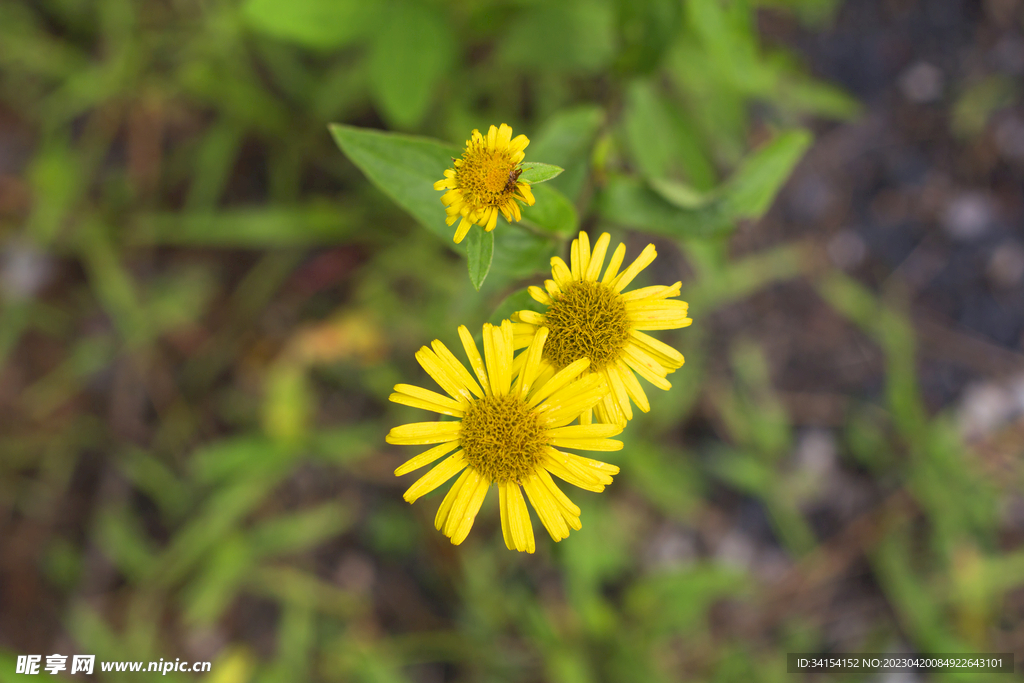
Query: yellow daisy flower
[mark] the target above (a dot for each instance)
(485, 181)
(509, 434)
(589, 316)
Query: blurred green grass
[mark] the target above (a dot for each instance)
(196, 367)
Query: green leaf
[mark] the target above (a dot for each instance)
(673, 209)
(411, 52)
(518, 254)
(300, 531)
(479, 252)
(630, 202)
(561, 36)
(660, 138)
(318, 24)
(535, 172)
(679, 194)
(565, 139)
(404, 168)
(552, 212)
(752, 188)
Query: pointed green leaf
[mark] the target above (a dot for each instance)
(410, 54)
(319, 24)
(535, 172)
(479, 251)
(404, 168)
(553, 212)
(673, 209)
(752, 188)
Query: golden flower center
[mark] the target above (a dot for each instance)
(588, 320)
(501, 438)
(486, 178)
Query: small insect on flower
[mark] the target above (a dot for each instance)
(513, 176)
(590, 316)
(485, 181)
(506, 433)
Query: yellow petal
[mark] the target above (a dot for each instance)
(531, 362)
(585, 431)
(475, 361)
(532, 318)
(560, 379)
(597, 258)
(519, 519)
(568, 507)
(449, 499)
(547, 510)
(456, 367)
(584, 242)
(443, 375)
(418, 433)
(642, 261)
(632, 386)
(660, 348)
(614, 263)
(539, 295)
(476, 499)
(560, 272)
(448, 468)
(506, 531)
(457, 514)
(428, 395)
(619, 391)
(426, 457)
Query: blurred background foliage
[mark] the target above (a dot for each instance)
(205, 305)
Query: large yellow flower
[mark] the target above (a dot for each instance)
(589, 316)
(485, 181)
(507, 434)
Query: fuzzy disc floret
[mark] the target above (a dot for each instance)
(502, 438)
(588, 320)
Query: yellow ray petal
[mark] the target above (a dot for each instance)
(586, 444)
(560, 272)
(519, 519)
(560, 379)
(642, 261)
(431, 396)
(619, 391)
(597, 257)
(531, 362)
(546, 508)
(418, 433)
(568, 507)
(632, 386)
(445, 378)
(584, 242)
(448, 468)
(449, 499)
(586, 431)
(426, 457)
(475, 361)
(649, 344)
(461, 505)
(614, 263)
(471, 511)
(456, 367)
(539, 295)
(574, 259)
(506, 531)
